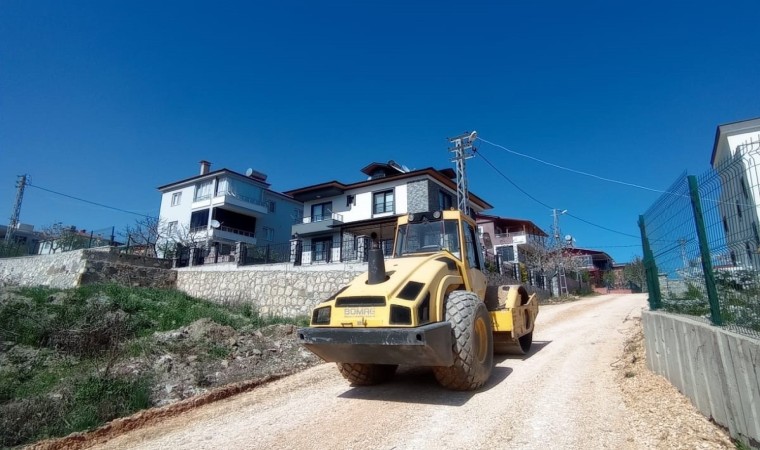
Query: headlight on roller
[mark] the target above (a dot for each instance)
(321, 316)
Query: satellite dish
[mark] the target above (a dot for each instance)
(249, 172)
(215, 224)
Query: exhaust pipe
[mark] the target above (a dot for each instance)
(376, 262)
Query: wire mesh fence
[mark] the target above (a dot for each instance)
(702, 247)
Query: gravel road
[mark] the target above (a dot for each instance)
(566, 394)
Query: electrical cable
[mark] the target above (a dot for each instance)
(580, 172)
(88, 201)
(544, 204)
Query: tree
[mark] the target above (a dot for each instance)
(635, 274)
(159, 237)
(63, 238)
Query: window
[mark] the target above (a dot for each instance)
(507, 253)
(744, 188)
(321, 249)
(271, 206)
(473, 258)
(754, 233)
(204, 190)
(176, 198)
(444, 200)
(350, 200)
(199, 219)
(738, 210)
(382, 202)
(268, 234)
(749, 250)
(171, 228)
(321, 211)
(725, 224)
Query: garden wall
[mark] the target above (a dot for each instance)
(81, 267)
(717, 369)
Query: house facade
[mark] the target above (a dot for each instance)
(736, 158)
(341, 221)
(512, 239)
(217, 209)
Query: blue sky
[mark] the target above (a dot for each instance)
(108, 100)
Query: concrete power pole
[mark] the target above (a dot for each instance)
(463, 150)
(20, 185)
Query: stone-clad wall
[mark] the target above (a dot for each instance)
(60, 270)
(80, 267)
(280, 290)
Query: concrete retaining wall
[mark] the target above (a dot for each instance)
(80, 267)
(277, 289)
(717, 369)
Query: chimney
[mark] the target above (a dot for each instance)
(204, 167)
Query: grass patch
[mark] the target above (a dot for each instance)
(57, 349)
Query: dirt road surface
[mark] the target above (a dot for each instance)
(565, 394)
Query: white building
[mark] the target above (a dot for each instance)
(736, 158)
(223, 207)
(341, 221)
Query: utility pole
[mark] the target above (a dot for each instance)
(20, 185)
(463, 150)
(559, 244)
(557, 235)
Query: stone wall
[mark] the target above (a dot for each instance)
(60, 270)
(277, 289)
(128, 270)
(80, 267)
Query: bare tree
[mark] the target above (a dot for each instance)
(159, 237)
(63, 238)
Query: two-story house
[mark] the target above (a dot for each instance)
(341, 221)
(222, 207)
(512, 239)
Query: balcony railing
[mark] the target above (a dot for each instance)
(223, 228)
(319, 218)
(223, 193)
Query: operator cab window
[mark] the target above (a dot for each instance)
(473, 258)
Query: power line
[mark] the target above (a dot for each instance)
(580, 172)
(547, 206)
(88, 201)
(610, 180)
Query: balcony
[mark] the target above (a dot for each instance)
(517, 237)
(317, 224)
(223, 233)
(233, 202)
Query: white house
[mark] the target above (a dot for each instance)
(341, 221)
(736, 158)
(222, 207)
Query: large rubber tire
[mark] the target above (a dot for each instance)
(366, 374)
(472, 343)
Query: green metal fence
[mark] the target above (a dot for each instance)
(702, 246)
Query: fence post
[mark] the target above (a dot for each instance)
(704, 250)
(650, 267)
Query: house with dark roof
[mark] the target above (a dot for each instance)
(222, 207)
(511, 239)
(342, 221)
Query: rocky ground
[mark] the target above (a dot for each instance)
(204, 355)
